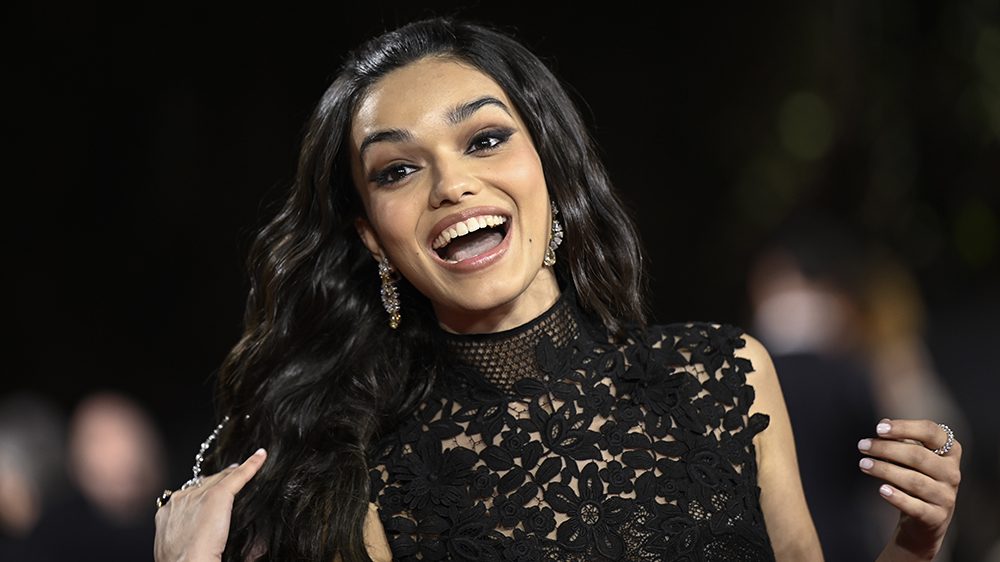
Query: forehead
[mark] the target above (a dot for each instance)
(421, 93)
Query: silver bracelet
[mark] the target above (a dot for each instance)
(196, 469)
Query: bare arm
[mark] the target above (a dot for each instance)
(789, 523)
(375, 539)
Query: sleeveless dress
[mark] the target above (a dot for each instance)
(551, 442)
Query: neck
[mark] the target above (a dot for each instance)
(538, 297)
(529, 350)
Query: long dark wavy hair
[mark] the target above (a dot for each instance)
(318, 376)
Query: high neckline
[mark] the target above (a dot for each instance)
(503, 358)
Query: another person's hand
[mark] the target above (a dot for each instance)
(193, 525)
(918, 461)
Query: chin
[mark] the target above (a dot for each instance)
(496, 303)
(485, 296)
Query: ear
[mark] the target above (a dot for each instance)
(368, 237)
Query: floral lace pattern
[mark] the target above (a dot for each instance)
(633, 451)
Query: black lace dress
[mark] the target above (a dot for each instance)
(548, 442)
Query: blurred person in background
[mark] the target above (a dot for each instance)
(801, 288)
(32, 475)
(115, 460)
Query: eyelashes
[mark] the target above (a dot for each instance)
(392, 174)
(489, 140)
(482, 143)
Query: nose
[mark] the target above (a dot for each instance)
(452, 183)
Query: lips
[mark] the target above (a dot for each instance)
(467, 227)
(471, 238)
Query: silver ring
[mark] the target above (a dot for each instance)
(163, 498)
(949, 442)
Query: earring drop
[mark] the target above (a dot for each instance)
(555, 238)
(390, 295)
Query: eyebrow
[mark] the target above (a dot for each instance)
(465, 110)
(391, 135)
(456, 115)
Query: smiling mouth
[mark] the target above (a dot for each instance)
(470, 238)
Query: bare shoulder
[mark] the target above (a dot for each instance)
(763, 378)
(754, 350)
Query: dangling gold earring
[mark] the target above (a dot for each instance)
(390, 295)
(555, 238)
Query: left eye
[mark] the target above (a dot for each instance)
(488, 140)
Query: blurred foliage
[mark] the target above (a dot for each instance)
(892, 110)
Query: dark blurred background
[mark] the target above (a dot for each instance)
(146, 144)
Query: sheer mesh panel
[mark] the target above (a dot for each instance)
(509, 357)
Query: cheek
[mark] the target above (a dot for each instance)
(524, 171)
(521, 176)
(528, 180)
(395, 219)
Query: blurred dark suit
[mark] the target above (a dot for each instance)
(830, 403)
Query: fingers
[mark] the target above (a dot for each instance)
(928, 514)
(926, 432)
(230, 480)
(911, 455)
(914, 482)
(910, 443)
(238, 476)
(918, 482)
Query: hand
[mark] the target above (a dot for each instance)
(921, 484)
(194, 523)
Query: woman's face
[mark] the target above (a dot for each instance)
(454, 194)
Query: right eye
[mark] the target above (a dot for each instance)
(392, 174)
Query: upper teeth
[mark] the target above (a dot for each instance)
(462, 228)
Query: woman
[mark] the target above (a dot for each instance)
(445, 353)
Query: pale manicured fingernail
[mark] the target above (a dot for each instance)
(885, 490)
(259, 452)
(882, 428)
(864, 444)
(234, 465)
(866, 464)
